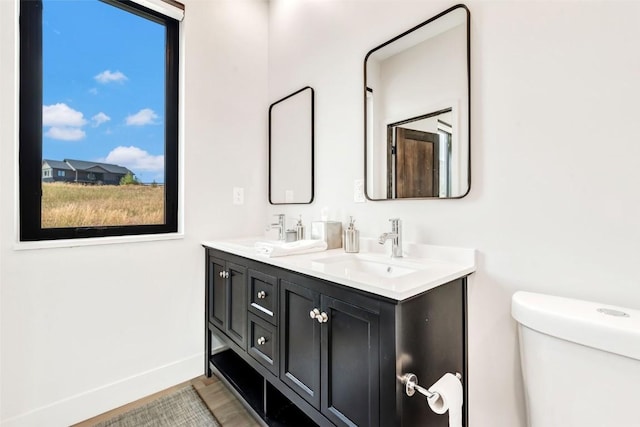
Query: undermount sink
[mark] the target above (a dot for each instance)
(359, 266)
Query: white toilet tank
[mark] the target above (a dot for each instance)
(580, 361)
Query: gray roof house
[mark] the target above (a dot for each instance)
(81, 171)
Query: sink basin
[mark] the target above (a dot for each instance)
(358, 266)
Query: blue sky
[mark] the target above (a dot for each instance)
(103, 86)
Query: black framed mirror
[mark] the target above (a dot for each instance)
(417, 111)
(291, 140)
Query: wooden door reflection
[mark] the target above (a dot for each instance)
(413, 164)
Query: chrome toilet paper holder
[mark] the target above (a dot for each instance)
(410, 382)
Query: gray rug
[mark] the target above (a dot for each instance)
(182, 408)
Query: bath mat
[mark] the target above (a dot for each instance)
(182, 408)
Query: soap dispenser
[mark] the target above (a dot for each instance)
(351, 238)
(299, 229)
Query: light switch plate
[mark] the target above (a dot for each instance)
(238, 196)
(358, 191)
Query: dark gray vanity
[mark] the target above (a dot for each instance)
(303, 350)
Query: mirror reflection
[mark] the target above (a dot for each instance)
(291, 148)
(417, 111)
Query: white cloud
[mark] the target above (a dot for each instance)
(99, 119)
(61, 115)
(107, 77)
(65, 133)
(136, 159)
(143, 117)
(93, 91)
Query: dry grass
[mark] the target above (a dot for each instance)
(73, 205)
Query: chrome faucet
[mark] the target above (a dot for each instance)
(280, 226)
(395, 236)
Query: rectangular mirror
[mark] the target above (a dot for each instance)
(291, 148)
(417, 111)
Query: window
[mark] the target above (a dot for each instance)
(99, 99)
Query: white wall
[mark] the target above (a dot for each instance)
(87, 329)
(554, 203)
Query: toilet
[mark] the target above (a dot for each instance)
(580, 361)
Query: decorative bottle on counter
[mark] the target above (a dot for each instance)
(351, 238)
(299, 229)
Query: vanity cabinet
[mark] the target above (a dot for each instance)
(328, 354)
(226, 298)
(300, 341)
(263, 319)
(320, 353)
(349, 364)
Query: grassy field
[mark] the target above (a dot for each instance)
(73, 205)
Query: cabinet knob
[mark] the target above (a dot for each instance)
(262, 294)
(225, 274)
(221, 274)
(314, 313)
(262, 341)
(322, 317)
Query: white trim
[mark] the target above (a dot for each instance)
(452, 103)
(95, 241)
(90, 403)
(163, 7)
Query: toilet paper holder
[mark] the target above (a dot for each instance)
(410, 382)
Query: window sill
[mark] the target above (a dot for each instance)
(94, 241)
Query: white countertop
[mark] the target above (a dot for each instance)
(430, 266)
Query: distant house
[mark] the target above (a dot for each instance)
(82, 172)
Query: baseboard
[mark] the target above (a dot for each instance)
(94, 402)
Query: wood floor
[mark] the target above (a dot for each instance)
(221, 402)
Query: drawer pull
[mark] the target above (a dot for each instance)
(314, 313)
(224, 274)
(262, 341)
(262, 295)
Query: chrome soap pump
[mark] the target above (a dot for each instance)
(351, 237)
(299, 229)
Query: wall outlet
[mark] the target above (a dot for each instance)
(358, 191)
(238, 196)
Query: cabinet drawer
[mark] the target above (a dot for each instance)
(263, 297)
(263, 343)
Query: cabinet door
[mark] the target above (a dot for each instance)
(350, 364)
(300, 341)
(237, 304)
(217, 303)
